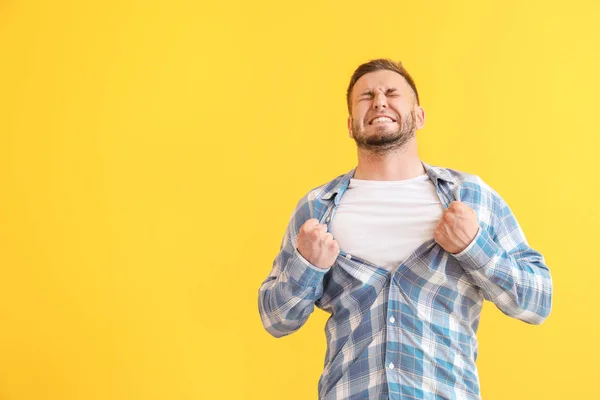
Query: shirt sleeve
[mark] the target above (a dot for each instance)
(510, 273)
(287, 297)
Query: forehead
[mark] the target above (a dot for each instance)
(383, 79)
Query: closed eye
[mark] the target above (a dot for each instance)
(366, 95)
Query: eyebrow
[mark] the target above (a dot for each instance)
(370, 92)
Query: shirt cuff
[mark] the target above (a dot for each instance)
(303, 272)
(479, 252)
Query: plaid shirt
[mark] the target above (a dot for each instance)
(408, 334)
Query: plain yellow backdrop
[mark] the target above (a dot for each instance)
(151, 153)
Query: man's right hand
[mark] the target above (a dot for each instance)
(317, 245)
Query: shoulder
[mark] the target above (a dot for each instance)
(471, 184)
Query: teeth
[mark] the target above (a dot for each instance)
(381, 119)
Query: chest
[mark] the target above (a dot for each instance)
(384, 227)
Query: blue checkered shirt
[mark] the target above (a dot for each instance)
(410, 334)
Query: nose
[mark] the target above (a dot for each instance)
(380, 101)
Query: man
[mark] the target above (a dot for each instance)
(402, 255)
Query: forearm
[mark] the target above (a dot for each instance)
(518, 282)
(287, 297)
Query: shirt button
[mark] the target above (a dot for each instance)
(328, 219)
(348, 256)
(391, 365)
(392, 319)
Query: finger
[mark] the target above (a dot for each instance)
(445, 230)
(311, 230)
(309, 225)
(317, 231)
(450, 210)
(327, 238)
(455, 204)
(334, 246)
(447, 218)
(322, 228)
(437, 235)
(321, 234)
(315, 234)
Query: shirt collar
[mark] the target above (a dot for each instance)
(435, 174)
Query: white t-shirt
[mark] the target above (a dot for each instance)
(383, 222)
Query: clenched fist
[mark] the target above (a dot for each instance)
(457, 228)
(317, 245)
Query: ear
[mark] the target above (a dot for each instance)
(350, 126)
(420, 117)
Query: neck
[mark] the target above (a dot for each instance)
(396, 165)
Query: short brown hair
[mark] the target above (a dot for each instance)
(378, 65)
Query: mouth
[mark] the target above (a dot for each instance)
(381, 120)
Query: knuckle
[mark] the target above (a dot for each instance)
(309, 223)
(305, 226)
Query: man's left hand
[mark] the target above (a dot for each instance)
(457, 227)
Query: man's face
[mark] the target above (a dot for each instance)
(385, 114)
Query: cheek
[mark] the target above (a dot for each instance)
(400, 107)
(356, 123)
(359, 113)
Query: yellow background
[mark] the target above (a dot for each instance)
(151, 154)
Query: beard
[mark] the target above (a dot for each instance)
(384, 139)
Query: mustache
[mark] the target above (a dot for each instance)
(385, 140)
